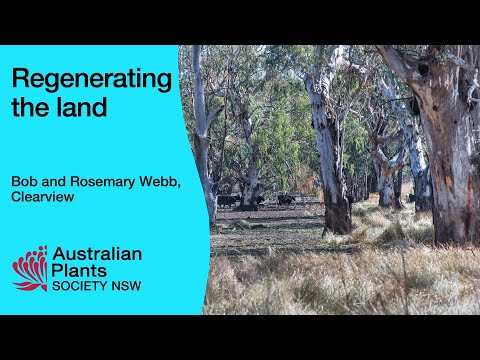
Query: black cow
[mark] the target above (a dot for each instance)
(223, 200)
(238, 197)
(285, 199)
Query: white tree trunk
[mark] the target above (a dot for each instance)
(385, 185)
(329, 138)
(418, 165)
(420, 169)
(252, 188)
(201, 141)
(385, 168)
(209, 189)
(251, 184)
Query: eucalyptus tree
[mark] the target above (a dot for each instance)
(445, 81)
(258, 139)
(411, 133)
(285, 135)
(385, 134)
(201, 142)
(391, 111)
(267, 103)
(246, 79)
(329, 113)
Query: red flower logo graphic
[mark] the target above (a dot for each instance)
(33, 268)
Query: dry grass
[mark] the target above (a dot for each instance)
(373, 225)
(394, 270)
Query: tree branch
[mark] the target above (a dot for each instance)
(467, 67)
(243, 177)
(393, 135)
(353, 98)
(398, 161)
(459, 62)
(380, 156)
(364, 120)
(214, 114)
(391, 165)
(400, 63)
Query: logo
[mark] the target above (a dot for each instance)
(32, 268)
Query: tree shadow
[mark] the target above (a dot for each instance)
(299, 226)
(262, 251)
(284, 222)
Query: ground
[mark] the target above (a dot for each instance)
(289, 228)
(275, 261)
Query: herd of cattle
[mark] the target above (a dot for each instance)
(284, 199)
(224, 200)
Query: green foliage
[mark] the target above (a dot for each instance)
(277, 148)
(356, 142)
(265, 82)
(288, 60)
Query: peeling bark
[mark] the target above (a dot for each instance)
(385, 167)
(386, 190)
(385, 185)
(451, 121)
(338, 214)
(251, 188)
(418, 165)
(329, 138)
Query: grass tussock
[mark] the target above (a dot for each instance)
(372, 281)
(394, 270)
(376, 226)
